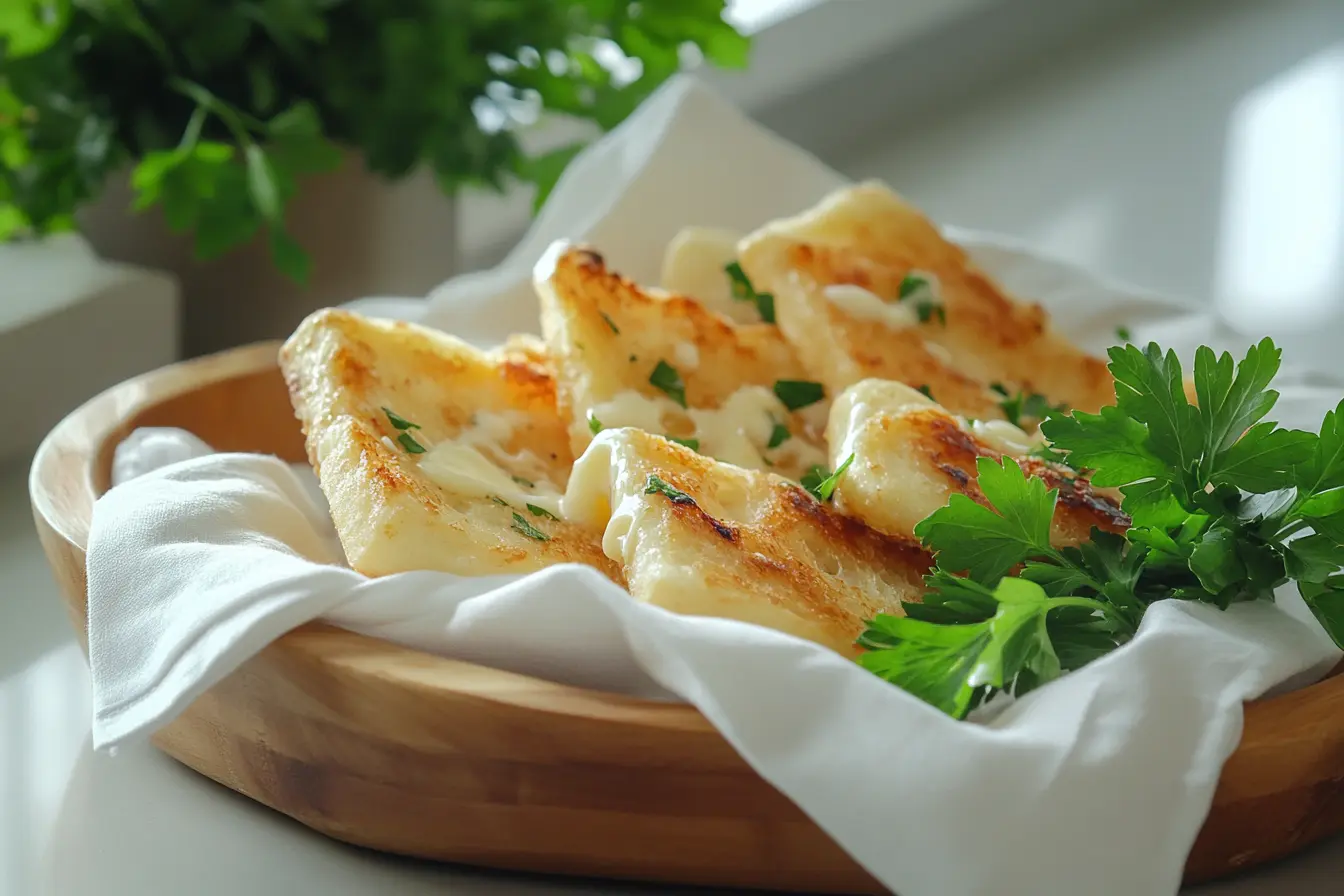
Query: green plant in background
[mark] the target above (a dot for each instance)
(221, 107)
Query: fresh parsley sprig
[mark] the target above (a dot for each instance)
(1224, 507)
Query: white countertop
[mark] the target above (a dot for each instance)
(1201, 153)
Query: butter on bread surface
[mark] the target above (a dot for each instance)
(343, 369)
(693, 265)
(866, 236)
(752, 546)
(911, 456)
(606, 336)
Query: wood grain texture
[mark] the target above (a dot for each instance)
(388, 748)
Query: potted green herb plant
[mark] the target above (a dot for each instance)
(247, 144)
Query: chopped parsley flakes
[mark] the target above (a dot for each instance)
(911, 284)
(520, 524)
(666, 378)
(927, 304)
(654, 485)
(797, 394)
(822, 483)
(398, 421)
(1024, 407)
(740, 286)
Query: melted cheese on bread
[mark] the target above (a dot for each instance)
(492, 442)
(911, 456)
(693, 265)
(867, 237)
(608, 337)
(738, 544)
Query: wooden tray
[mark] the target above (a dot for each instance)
(396, 750)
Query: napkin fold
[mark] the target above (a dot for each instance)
(1097, 783)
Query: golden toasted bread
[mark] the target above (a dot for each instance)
(911, 456)
(628, 356)
(865, 241)
(443, 481)
(710, 539)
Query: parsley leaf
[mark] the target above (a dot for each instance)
(398, 421)
(822, 483)
(778, 436)
(525, 483)
(742, 290)
(988, 541)
(1324, 469)
(594, 424)
(1263, 459)
(410, 444)
(541, 511)
(926, 392)
(666, 378)
(1149, 388)
(1112, 444)
(928, 310)
(693, 444)
(1122, 333)
(521, 525)
(1023, 407)
(953, 666)
(611, 323)
(797, 394)
(910, 284)
(654, 485)
(927, 304)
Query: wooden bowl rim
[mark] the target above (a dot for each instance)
(103, 417)
(106, 416)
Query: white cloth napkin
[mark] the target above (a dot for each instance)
(1096, 783)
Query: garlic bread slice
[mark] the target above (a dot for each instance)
(911, 456)
(664, 363)
(865, 286)
(710, 539)
(434, 454)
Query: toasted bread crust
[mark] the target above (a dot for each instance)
(910, 458)
(752, 546)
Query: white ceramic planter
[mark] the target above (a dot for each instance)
(365, 236)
